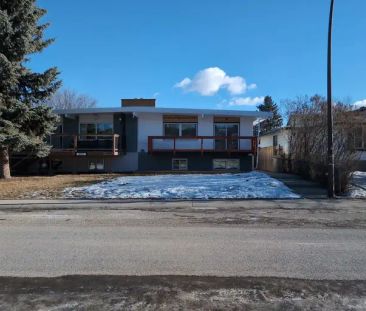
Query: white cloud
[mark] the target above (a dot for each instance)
(246, 101)
(360, 103)
(209, 81)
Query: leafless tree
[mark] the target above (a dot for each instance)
(307, 120)
(69, 99)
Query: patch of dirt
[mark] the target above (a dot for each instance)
(179, 293)
(46, 187)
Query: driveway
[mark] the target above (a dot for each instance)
(305, 188)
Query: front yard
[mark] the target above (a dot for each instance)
(253, 185)
(45, 187)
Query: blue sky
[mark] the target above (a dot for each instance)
(205, 53)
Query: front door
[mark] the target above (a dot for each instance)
(224, 131)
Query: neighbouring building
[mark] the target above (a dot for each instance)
(141, 137)
(274, 145)
(359, 138)
(273, 148)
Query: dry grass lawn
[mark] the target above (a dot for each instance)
(45, 187)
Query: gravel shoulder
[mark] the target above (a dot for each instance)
(265, 213)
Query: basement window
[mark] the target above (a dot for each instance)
(96, 165)
(179, 164)
(226, 164)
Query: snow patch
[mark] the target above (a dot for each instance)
(253, 185)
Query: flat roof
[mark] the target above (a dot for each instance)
(218, 112)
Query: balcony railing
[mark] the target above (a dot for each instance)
(77, 144)
(202, 144)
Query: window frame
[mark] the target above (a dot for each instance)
(95, 161)
(180, 128)
(84, 137)
(179, 168)
(226, 160)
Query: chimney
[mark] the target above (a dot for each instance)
(138, 102)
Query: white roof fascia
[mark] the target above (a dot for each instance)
(189, 111)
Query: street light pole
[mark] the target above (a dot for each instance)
(329, 106)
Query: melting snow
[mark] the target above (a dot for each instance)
(186, 186)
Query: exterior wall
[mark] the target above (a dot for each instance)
(131, 130)
(163, 162)
(282, 139)
(70, 124)
(152, 125)
(90, 118)
(134, 131)
(119, 164)
(149, 124)
(206, 128)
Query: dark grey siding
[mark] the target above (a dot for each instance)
(163, 162)
(361, 166)
(118, 128)
(71, 124)
(131, 133)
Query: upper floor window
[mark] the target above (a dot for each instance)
(180, 129)
(275, 140)
(89, 131)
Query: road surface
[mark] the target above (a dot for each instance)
(152, 242)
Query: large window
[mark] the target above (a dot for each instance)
(223, 131)
(226, 164)
(180, 129)
(88, 131)
(179, 164)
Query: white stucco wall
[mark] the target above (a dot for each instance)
(148, 124)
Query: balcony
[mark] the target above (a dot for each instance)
(97, 145)
(203, 144)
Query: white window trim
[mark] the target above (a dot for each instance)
(179, 159)
(225, 169)
(180, 127)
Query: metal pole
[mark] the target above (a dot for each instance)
(329, 106)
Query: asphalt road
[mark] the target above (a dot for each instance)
(54, 248)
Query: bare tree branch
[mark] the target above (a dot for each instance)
(69, 99)
(307, 119)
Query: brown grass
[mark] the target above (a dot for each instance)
(44, 187)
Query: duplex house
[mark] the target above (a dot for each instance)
(141, 137)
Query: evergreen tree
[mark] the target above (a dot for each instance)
(273, 122)
(25, 122)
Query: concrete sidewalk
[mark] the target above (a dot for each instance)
(128, 204)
